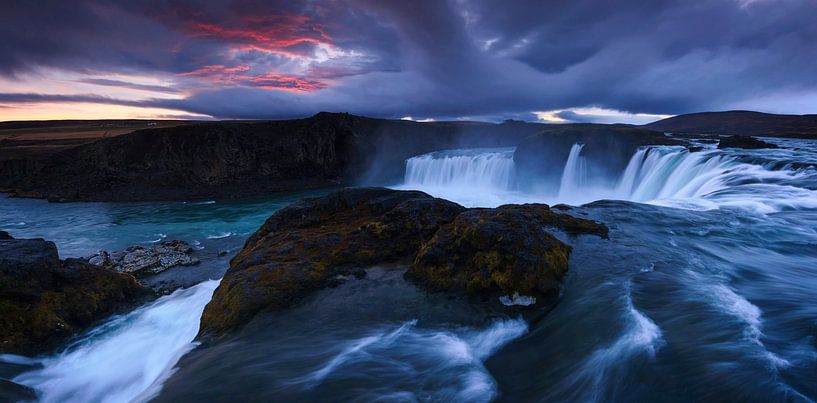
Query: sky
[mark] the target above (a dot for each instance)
(630, 61)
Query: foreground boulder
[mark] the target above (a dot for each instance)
(745, 142)
(308, 245)
(45, 300)
(503, 253)
(315, 243)
(144, 261)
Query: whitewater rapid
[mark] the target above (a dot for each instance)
(128, 358)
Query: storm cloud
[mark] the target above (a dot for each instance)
(476, 59)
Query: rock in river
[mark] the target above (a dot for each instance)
(745, 142)
(45, 300)
(317, 242)
(495, 253)
(307, 245)
(144, 261)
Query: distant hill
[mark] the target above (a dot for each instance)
(745, 123)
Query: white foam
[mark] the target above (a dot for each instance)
(516, 299)
(221, 235)
(641, 336)
(128, 358)
(433, 351)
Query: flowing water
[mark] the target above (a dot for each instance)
(704, 291)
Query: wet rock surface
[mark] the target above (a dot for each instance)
(745, 142)
(45, 300)
(501, 254)
(311, 244)
(316, 243)
(144, 261)
(13, 392)
(165, 266)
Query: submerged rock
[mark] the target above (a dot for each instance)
(45, 300)
(14, 392)
(745, 142)
(144, 261)
(318, 242)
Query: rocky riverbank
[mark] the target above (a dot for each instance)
(45, 300)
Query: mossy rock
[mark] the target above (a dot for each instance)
(489, 253)
(306, 246)
(317, 242)
(45, 300)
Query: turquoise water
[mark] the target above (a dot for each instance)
(81, 229)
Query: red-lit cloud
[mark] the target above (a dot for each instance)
(294, 37)
(276, 34)
(239, 76)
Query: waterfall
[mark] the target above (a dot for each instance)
(574, 176)
(490, 169)
(706, 179)
(630, 175)
(665, 175)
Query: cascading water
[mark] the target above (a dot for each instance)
(482, 168)
(574, 175)
(128, 358)
(674, 176)
(468, 176)
(662, 175)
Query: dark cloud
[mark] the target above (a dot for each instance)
(29, 98)
(126, 84)
(426, 59)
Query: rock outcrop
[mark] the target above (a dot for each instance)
(45, 300)
(308, 245)
(492, 253)
(745, 142)
(317, 242)
(144, 261)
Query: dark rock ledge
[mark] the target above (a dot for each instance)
(745, 142)
(486, 254)
(45, 300)
(146, 262)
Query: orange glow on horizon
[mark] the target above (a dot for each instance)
(80, 110)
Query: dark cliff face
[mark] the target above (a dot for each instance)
(607, 148)
(233, 159)
(194, 161)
